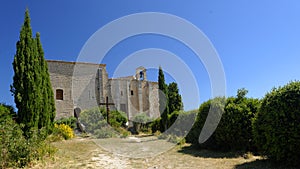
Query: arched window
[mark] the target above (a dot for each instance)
(59, 94)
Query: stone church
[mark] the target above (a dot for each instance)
(79, 85)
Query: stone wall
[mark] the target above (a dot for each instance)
(79, 82)
(61, 78)
(85, 85)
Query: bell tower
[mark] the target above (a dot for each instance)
(140, 74)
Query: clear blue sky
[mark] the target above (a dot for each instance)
(258, 42)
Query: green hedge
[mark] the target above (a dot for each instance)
(194, 133)
(234, 131)
(277, 125)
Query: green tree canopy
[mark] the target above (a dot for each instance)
(175, 100)
(31, 82)
(163, 98)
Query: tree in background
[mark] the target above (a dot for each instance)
(31, 82)
(163, 99)
(175, 100)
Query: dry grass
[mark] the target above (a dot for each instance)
(84, 153)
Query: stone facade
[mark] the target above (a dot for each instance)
(86, 85)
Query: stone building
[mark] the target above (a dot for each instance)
(86, 85)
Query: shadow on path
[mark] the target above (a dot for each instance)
(262, 164)
(196, 151)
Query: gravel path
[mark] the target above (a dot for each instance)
(134, 147)
(145, 153)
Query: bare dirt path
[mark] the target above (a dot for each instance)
(110, 154)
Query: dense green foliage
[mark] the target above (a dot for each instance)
(277, 125)
(156, 125)
(169, 101)
(47, 112)
(182, 122)
(93, 119)
(16, 150)
(70, 121)
(194, 133)
(31, 83)
(94, 122)
(175, 100)
(142, 123)
(234, 131)
(163, 99)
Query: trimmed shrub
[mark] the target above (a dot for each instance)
(193, 135)
(277, 125)
(234, 131)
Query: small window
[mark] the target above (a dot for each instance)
(131, 92)
(121, 93)
(59, 94)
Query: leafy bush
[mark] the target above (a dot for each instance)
(94, 121)
(172, 118)
(277, 125)
(193, 135)
(142, 123)
(70, 121)
(16, 150)
(182, 123)
(64, 130)
(117, 118)
(105, 132)
(156, 125)
(234, 131)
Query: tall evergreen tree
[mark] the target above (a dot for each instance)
(48, 110)
(163, 98)
(175, 100)
(31, 84)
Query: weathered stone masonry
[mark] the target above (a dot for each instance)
(85, 85)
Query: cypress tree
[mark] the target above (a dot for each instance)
(175, 100)
(47, 114)
(31, 84)
(163, 99)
